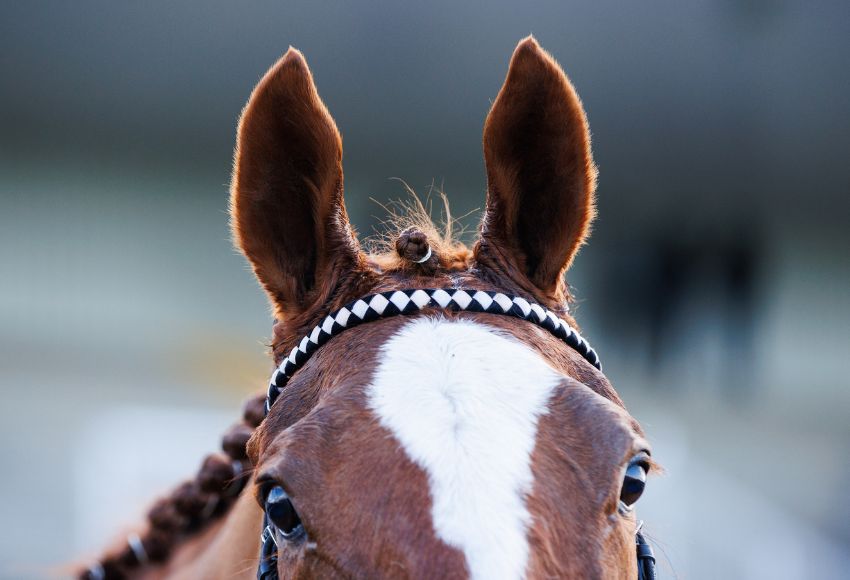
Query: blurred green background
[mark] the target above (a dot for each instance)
(715, 286)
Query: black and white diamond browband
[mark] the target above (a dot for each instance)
(394, 302)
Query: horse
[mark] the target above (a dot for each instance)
(434, 411)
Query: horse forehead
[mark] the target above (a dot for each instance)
(463, 401)
(458, 417)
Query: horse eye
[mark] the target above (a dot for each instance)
(282, 513)
(633, 483)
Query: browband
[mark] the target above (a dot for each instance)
(394, 302)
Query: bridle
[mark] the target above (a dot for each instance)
(396, 302)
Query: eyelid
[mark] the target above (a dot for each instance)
(262, 485)
(643, 456)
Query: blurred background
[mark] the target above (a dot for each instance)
(715, 286)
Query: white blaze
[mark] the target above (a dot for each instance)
(464, 400)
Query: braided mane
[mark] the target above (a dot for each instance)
(191, 507)
(409, 223)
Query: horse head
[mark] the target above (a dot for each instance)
(434, 413)
(444, 442)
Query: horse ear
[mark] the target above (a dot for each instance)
(540, 173)
(287, 209)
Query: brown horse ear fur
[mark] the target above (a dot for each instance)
(540, 173)
(287, 209)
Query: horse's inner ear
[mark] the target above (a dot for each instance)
(286, 197)
(540, 173)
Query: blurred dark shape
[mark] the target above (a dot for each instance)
(717, 266)
(658, 288)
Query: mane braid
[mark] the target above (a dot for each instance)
(397, 302)
(445, 235)
(190, 507)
